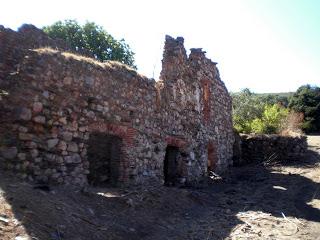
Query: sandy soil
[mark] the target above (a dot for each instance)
(253, 202)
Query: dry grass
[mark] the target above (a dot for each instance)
(114, 65)
(292, 124)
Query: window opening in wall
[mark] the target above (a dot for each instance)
(171, 166)
(104, 155)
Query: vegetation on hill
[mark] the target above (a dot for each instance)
(93, 39)
(277, 112)
(258, 113)
(273, 98)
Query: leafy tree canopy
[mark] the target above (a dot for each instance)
(307, 100)
(258, 113)
(92, 38)
(271, 121)
(246, 107)
(271, 113)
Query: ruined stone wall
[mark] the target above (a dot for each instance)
(258, 148)
(195, 93)
(13, 45)
(57, 100)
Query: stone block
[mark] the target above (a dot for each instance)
(9, 152)
(24, 113)
(73, 147)
(67, 136)
(37, 107)
(63, 120)
(23, 129)
(25, 136)
(34, 153)
(51, 143)
(40, 119)
(62, 146)
(22, 156)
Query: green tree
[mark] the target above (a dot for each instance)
(93, 39)
(307, 101)
(257, 113)
(271, 121)
(246, 107)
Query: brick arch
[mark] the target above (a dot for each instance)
(126, 133)
(175, 142)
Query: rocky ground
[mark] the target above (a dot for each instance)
(253, 202)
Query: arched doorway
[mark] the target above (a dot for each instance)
(104, 156)
(171, 165)
(212, 157)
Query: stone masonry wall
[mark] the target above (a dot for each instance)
(56, 100)
(255, 148)
(199, 103)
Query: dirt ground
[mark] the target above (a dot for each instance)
(252, 202)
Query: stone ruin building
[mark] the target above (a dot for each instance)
(66, 118)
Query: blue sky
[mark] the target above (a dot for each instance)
(265, 45)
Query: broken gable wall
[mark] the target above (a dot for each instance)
(57, 100)
(198, 105)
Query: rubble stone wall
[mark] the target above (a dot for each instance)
(55, 100)
(255, 148)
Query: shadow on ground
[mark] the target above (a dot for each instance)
(156, 212)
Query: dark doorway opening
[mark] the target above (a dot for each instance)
(171, 166)
(104, 155)
(212, 157)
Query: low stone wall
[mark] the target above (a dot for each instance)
(271, 148)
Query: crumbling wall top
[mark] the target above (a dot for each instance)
(176, 64)
(174, 58)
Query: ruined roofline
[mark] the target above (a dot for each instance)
(39, 38)
(91, 66)
(171, 44)
(29, 40)
(32, 38)
(106, 65)
(28, 37)
(176, 64)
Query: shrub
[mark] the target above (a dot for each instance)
(271, 120)
(293, 123)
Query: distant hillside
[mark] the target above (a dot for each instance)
(281, 94)
(266, 98)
